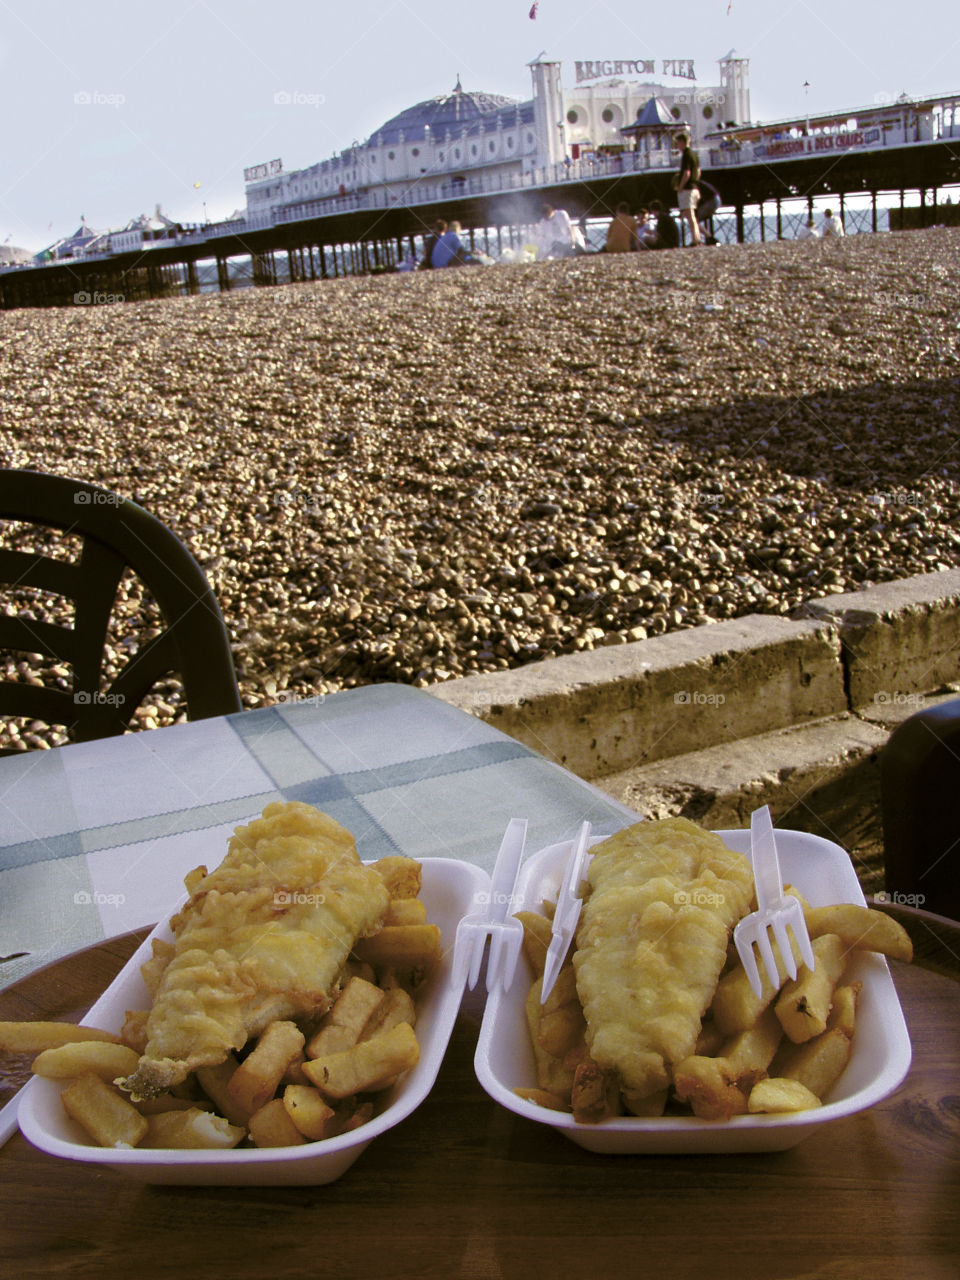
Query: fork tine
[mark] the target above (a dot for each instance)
(462, 953)
(749, 962)
(476, 958)
(510, 965)
(769, 959)
(495, 957)
(780, 922)
(511, 943)
(799, 926)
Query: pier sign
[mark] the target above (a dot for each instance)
(679, 67)
(257, 172)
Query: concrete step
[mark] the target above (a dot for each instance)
(821, 777)
(712, 721)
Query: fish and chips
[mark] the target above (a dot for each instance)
(653, 1013)
(282, 1007)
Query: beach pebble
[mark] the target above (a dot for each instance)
(410, 477)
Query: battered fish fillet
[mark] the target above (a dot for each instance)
(264, 936)
(651, 943)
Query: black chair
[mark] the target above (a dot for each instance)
(920, 804)
(190, 639)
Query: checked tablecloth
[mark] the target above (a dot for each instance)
(95, 839)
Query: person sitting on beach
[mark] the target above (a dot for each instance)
(622, 232)
(645, 223)
(555, 237)
(666, 233)
(809, 230)
(449, 250)
(832, 226)
(439, 229)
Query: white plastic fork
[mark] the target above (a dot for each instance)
(776, 911)
(493, 921)
(567, 912)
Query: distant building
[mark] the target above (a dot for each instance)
(11, 256)
(73, 246)
(467, 140)
(143, 230)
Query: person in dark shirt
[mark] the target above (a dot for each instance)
(707, 206)
(666, 235)
(439, 229)
(686, 182)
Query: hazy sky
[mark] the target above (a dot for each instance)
(113, 106)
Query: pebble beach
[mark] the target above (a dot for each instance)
(417, 477)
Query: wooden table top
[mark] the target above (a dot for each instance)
(463, 1188)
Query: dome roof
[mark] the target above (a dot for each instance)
(452, 111)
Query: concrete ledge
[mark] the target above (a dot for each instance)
(899, 638)
(712, 722)
(611, 709)
(720, 786)
(822, 777)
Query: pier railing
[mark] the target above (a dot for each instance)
(907, 125)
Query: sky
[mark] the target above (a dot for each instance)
(111, 107)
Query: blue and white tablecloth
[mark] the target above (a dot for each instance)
(95, 839)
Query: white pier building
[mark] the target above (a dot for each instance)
(466, 141)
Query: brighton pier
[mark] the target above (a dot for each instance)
(491, 162)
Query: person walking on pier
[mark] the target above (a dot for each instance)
(686, 185)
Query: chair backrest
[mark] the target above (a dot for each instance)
(919, 786)
(115, 534)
